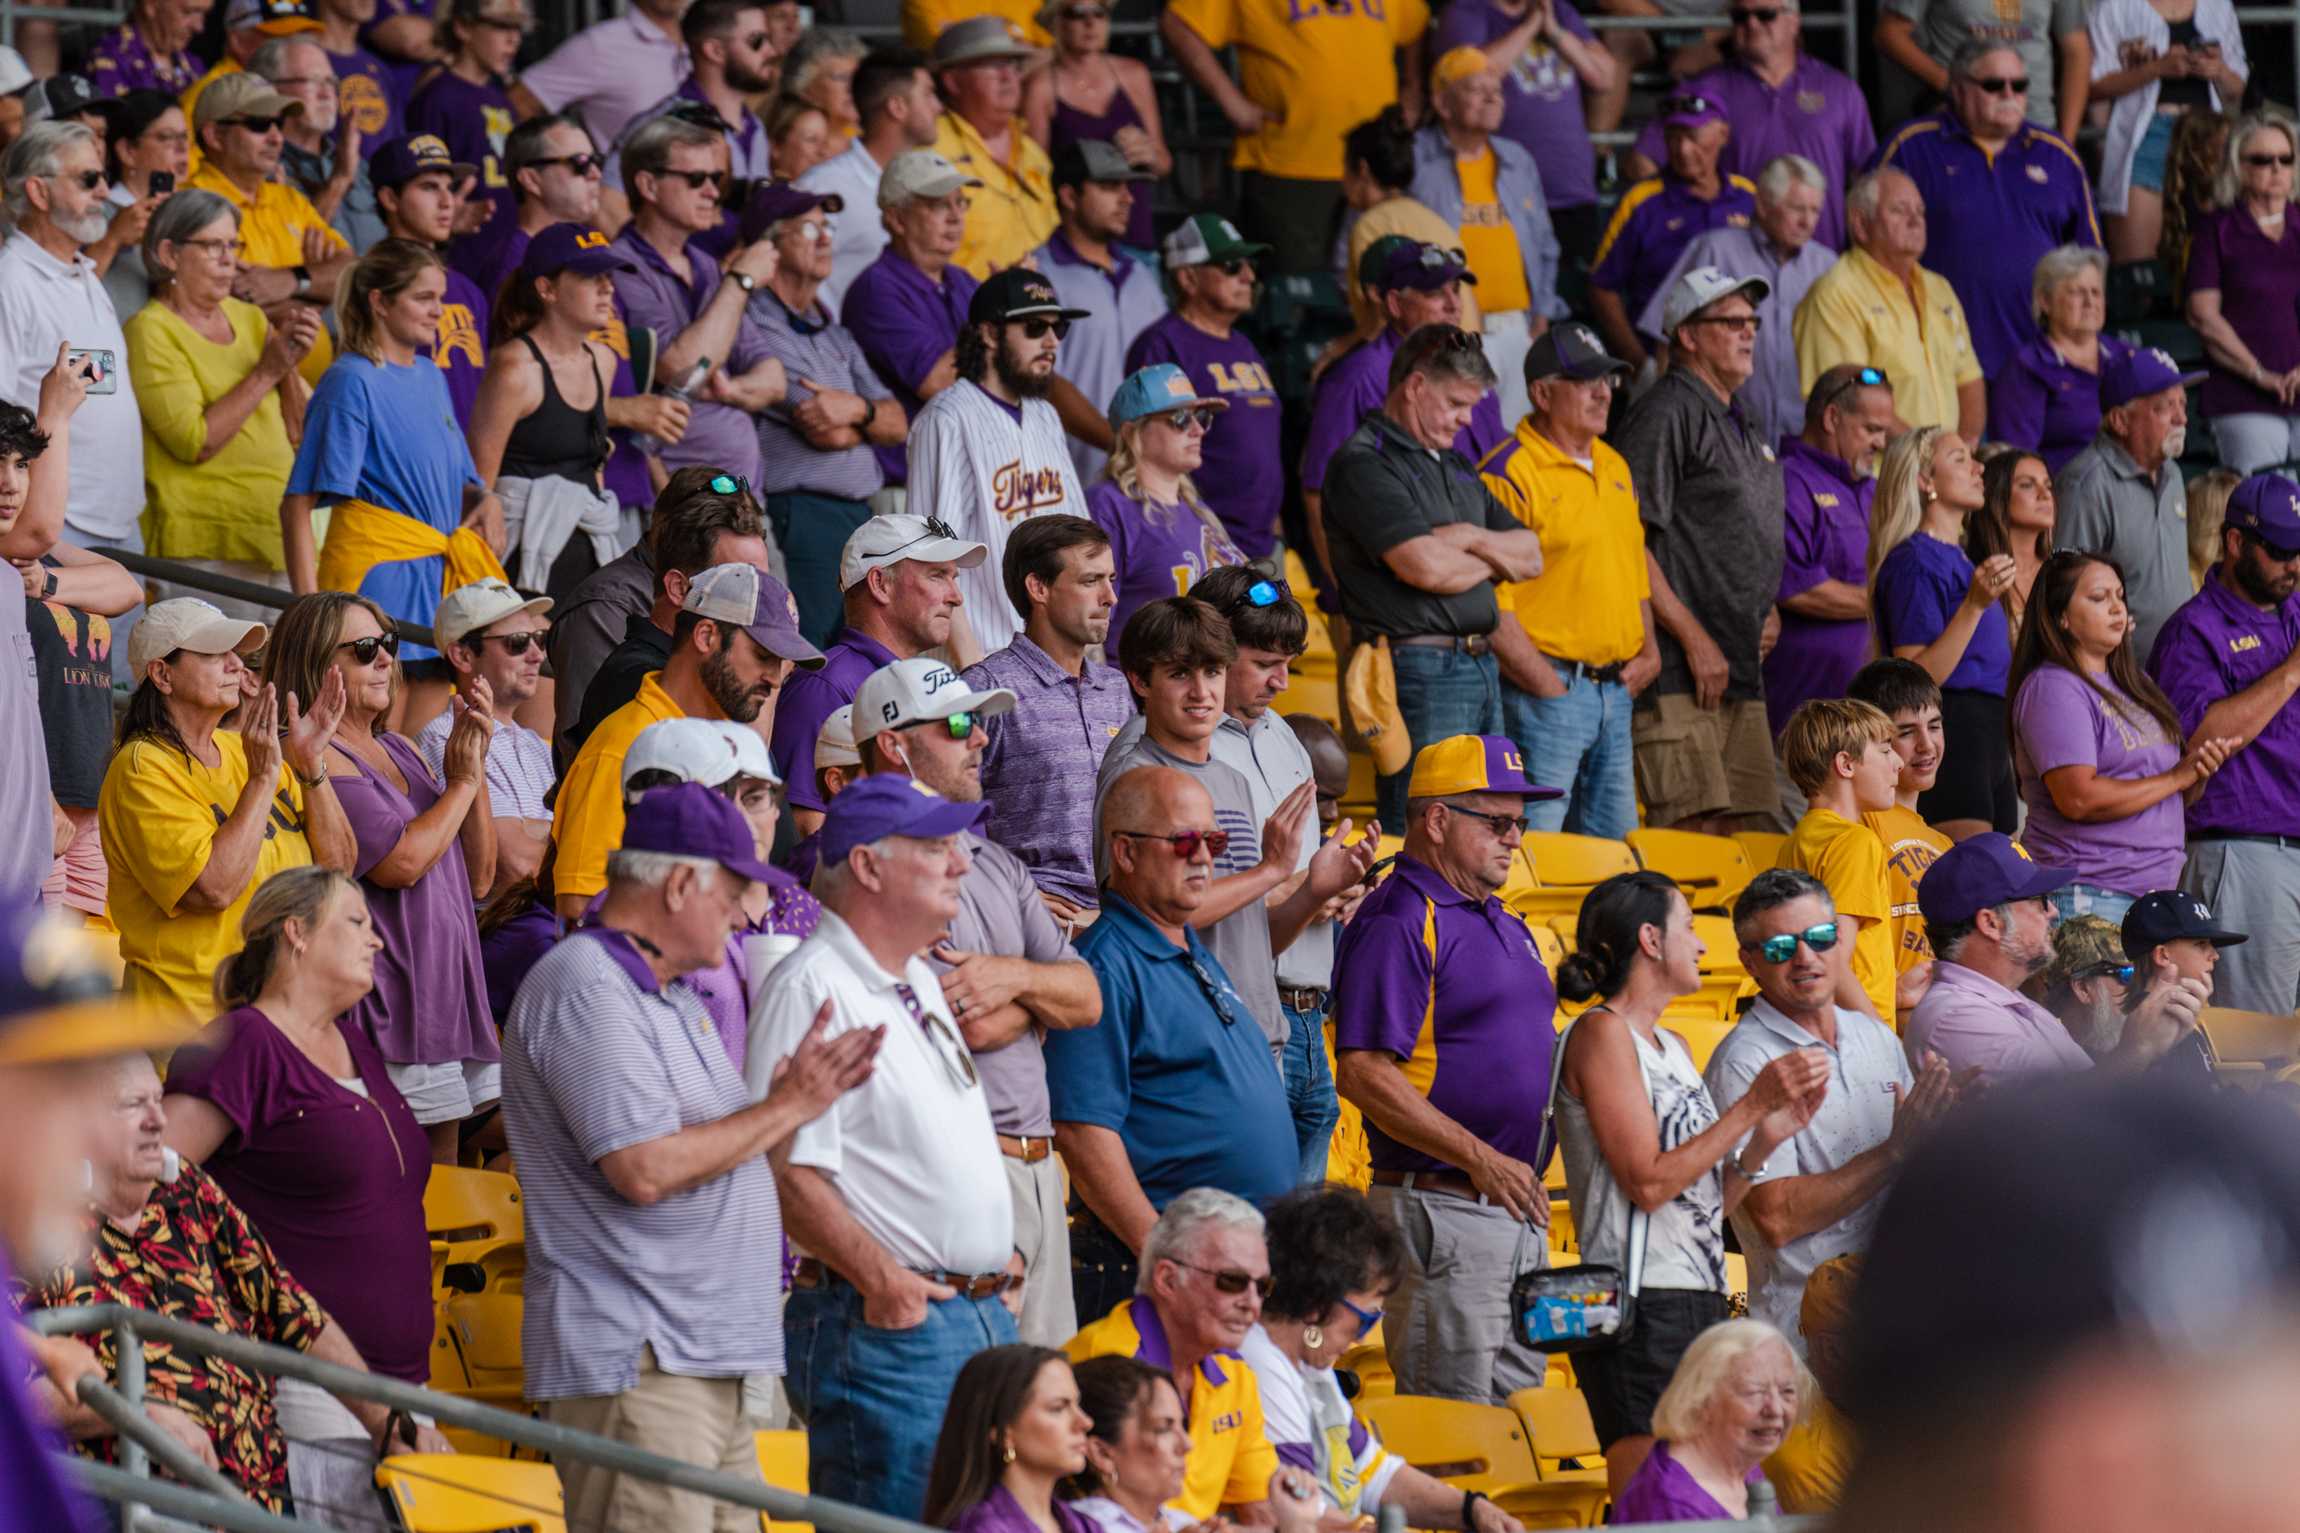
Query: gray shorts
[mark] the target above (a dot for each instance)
(450, 1092)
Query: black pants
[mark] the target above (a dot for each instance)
(1578, 231)
(1102, 1270)
(1296, 219)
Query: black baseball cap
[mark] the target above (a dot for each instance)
(2168, 915)
(1570, 351)
(1017, 293)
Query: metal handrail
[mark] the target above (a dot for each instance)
(131, 1493)
(249, 591)
(559, 1442)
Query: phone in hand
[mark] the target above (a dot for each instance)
(98, 366)
(163, 182)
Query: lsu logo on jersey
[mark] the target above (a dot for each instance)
(1229, 1421)
(364, 103)
(458, 333)
(1017, 491)
(1246, 378)
(2238, 646)
(1320, 10)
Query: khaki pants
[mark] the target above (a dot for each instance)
(1042, 1232)
(1449, 1329)
(699, 1421)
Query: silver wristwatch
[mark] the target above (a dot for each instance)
(1749, 1176)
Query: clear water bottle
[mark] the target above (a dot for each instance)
(684, 389)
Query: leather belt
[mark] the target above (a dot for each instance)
(1603, 675)
(1452, 1183)
(1467, 643)
(1302, 997)
(1029, 1151)
(2289, 843)
(811, 1273)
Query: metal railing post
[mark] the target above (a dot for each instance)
(128, 1365)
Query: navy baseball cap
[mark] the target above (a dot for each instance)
(2268, 507)
(1017, 293)
(1570, 351)
(1988, 870)
(689, 820)
(403, 159)
(1395, 262)
(570, 247)
(890, 804)
(2168, 915)
(775, 201)
(2140, 372)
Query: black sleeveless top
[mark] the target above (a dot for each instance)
(555, 440)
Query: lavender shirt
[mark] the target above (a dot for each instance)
(2042, 401)
(719, 435)
(1243, 477)
(1039, 768)
(2058, 721)
(1541, 96)
(810, 697)
(814, 347)
(429, 1005)
(1826, 537)
(999, 911)
(1159, 551)
(1664, 1490)
(905, 321)
(1355, 387)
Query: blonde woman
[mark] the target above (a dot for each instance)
(1736, 1393)
(2207, 514)
(1934, 606)
(2244, 299)
(1162, 536)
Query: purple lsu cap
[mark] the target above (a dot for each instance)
(1411, 266)
(570, 247)
(1987, 870)
(890, 804)
(2140, 372)
(1689, 109)
(689, 820)
(2268, 507)
(770, 204)
(1473, 764)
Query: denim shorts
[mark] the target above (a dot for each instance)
(2150, 154)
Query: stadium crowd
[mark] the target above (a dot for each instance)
(727, 607)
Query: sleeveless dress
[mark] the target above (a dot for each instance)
(1071, 125)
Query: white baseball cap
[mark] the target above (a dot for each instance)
(751, 757)
(835, 742)
(481, 604)
(885, 540)
(1701, 287)
(916, 173)
(918, 691)
(15, 74)
(695, 750)
(186, 622)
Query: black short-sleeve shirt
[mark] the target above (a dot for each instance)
(1382, 489)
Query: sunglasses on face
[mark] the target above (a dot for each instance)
(2120, 972)
(257, 125)
(1185, 842)
(698, 179)
(2279, 555)
(1499, 824)
(2003, 87)
(1183, 420)
(86, 180)
(577, 164)
(515, 643)
(1236, 266)
(961, 724)
(1367, 1318)
(1231, 1280)
(1038, 329)
(755, 41)
(365, 650)
(2264, 160)
(1734, 322)
(1782, 948)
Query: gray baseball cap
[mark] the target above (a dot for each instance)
(1090, 159)
(975, 39)
(1703, 286)
(916, 173)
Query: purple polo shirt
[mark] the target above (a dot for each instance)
(461, 347)
(2215, 646)
(1454, 990)
(1664, 1490)
(905, 321)
(1243, 476)
(1654, 222)
(1817, 111)
(1541, 97)
(1038, 771)
(719, 435)
(1159, 551)
(1988, 220)
(2258, 280)
(1355, 387)
(810, 697)
(473, 121)
(369, 93)
(123, 62)
(1825, 524)
(2042, 401)
(1919, 587)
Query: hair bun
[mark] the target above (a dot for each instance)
(1580, 976)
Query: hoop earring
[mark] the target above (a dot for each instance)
(1010, 1452)
(1313, 1337)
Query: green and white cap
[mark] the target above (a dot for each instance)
(1208, 237)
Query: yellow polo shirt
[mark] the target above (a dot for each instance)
(1850, 859)
(272, 226)
(1858, 312)
(1012, 213)
(1318, 69)
(1911, 846)
(587, 818)
(923, 20)
(1583, 604)
(1231, 1459)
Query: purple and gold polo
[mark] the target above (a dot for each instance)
(1826, 527)
(2214, 647)
(1454, 990)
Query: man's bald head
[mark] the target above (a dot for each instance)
(1142, 814)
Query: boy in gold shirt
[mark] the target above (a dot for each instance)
(1840, 755)
(1907, 694)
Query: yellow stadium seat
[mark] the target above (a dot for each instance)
(1701, 1036)
(1712, 870)
(1736, 1276)
(458, 1493)
(1550, 946)
(2239, 1036)
(1369, 1359)
(1557, 1423)
(477, 1227)
(1318, 696)
(485, 1330)
(1763, 847)
(783, 1464)
(1565, 868)
(1484, 1448)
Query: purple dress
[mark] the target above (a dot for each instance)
(1663, 1490)
(429, 1004)
(1070, 125)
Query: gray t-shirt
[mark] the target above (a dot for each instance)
(999, 911)
(1944, 26)
(1274, 762)
(1241, 940)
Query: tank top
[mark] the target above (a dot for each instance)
(1071, 125)
(555, 440)
(1685, 1238)
(2188, 91)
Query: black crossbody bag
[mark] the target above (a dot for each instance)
(1585, 1308)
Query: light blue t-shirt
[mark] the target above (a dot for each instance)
(387, 435)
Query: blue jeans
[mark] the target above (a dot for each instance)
(872, 1399)
(812, 531)
(2075, 900)
(1310, 1091)
(1441, 693)
(1579, 742)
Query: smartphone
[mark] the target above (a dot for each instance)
(163, 182)
(100, 367)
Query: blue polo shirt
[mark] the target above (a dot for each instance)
(1988, 220)
(1189, 1085)
(2214, 647)
(1454, 990)
(1656, 220)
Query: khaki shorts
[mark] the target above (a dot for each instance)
(1694, 761)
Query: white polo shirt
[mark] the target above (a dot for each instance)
(911, 1150)
(858, 234)
(44, 304)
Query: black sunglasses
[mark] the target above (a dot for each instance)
(1183, 420)
(1036, 328)
(2003, 87)
(1236, 266)
(257, 124)
(579, 164)
(1217, 992)
(364, 650)
(514, 643)
(1499, 824)
(1230, 1279)
(2267, 159)
(756, 41)
(87, 180)
(698, 179)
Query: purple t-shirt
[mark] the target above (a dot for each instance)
(1664, 1490)
(1355, 387)
(2059, 721)
(1157, 551)
(370, 94)
(429, 1005)
(1919, 588)
(461, 350)
(654, 296)
(473, 121)
(905, 320)
(1541, 96)
(334, 1181)
(1825, 526)
(810, 697)
(507, 953)
(124, 62)
(2258, 280)
(2215, 647)
(2042, 401)
(1653, 223)
(1244, 475)
(1817, 112)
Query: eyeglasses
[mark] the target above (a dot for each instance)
(698, 179)
(1763, 16)
(1782, 948)
(257, 125)
(2267, 159)
(364, 650)
(2002, 87)
(1217, 992)
(1859, 378)
(936, 528)
(730, 484)
(1183, 420)
(514, 643)
(577, 164)
(756, 41)
(1036, 329)
(218, 249)
(1231, 1279)
(2120, 972)
(1185, 842)
(948, 1047)
(1367, 1319)
(1499, 824)
(1734, 322)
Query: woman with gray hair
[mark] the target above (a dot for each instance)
(2244, 299)
(1736, 1393)
(821, 72)
(2047, 398)
(221, 403)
